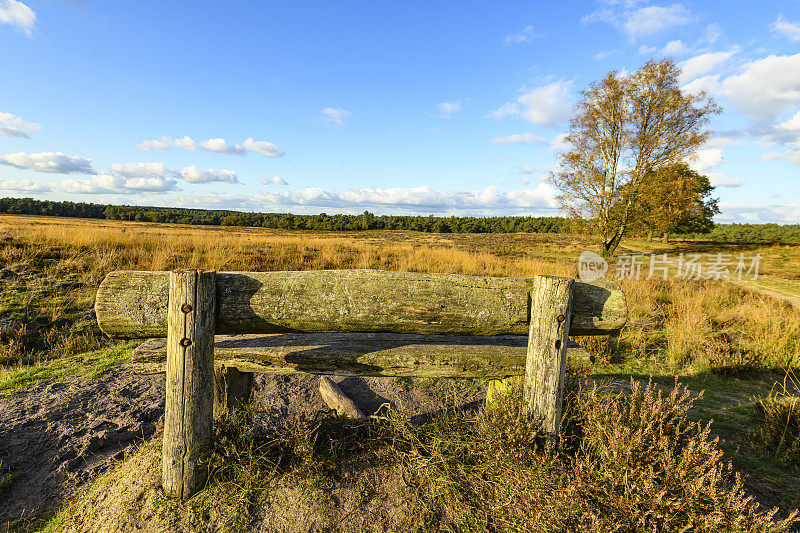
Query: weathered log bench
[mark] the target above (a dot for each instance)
(343, 322)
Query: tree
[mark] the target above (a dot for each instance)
(677, 200)
(623, 131)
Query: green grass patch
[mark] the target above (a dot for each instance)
(87, 365)
(6, 478)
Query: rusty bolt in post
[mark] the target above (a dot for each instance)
(186, 342)
(561, 318)
(186, 308)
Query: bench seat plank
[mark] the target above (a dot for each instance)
(364, 354)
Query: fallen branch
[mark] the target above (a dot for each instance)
(336, 399)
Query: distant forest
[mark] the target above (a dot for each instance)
(734, 233)
(322, 222)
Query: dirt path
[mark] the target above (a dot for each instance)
(753, 285)
(779, 294)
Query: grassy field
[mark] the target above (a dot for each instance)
(735, 343)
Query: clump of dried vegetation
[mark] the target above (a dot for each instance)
(629, 461)
(777, 430)
(624, 461)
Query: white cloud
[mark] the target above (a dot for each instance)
(448, 109)
(335, 115)
(792, 156)
(157, 177)
(675, 48)
(719, 179)
(519, 138)
(654, 19)
(139, 170)
(790, 30)
(413, 200)
(710, 157)
(605, 53)
(638, 22)
(506, 110)
(765, 88)
(18, 14)
(528, 170)
(541, 196)
(262, 147)
(706, 159)
(709, 84)
(86, 186)
(526, 35)
(712, 34)
(220, 146)
(416, 199)
(23, 186)
(194, 175)
(111, 184)
(217, 145)
(107, 181)
(51, 162)
(164, 143)
(274, 180)
(560, 143)
(645, 50)
(780, 213)
(545, 105)
(793, 124)
(704, 63)
(151, 184)
(13, 126)
(720, 142)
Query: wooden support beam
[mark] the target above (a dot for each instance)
(133, 304)
(551, 309)
(365, 354)
(232, 389)
(190, 379)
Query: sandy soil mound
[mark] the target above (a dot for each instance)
(55, 437)
(59, 436)
(131, 500)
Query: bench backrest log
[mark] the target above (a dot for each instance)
(188, 307)
(134, 304)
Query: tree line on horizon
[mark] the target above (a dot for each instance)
(287, 221)
(723, 233)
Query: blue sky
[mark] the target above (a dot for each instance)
(395, 107)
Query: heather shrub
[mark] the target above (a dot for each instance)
(625, 461)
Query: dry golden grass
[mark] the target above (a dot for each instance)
(697, 325)
(107, 246)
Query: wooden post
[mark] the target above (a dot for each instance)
(190, 380)
(551, 310)
(232, 388)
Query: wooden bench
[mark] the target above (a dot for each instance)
(343, 322)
